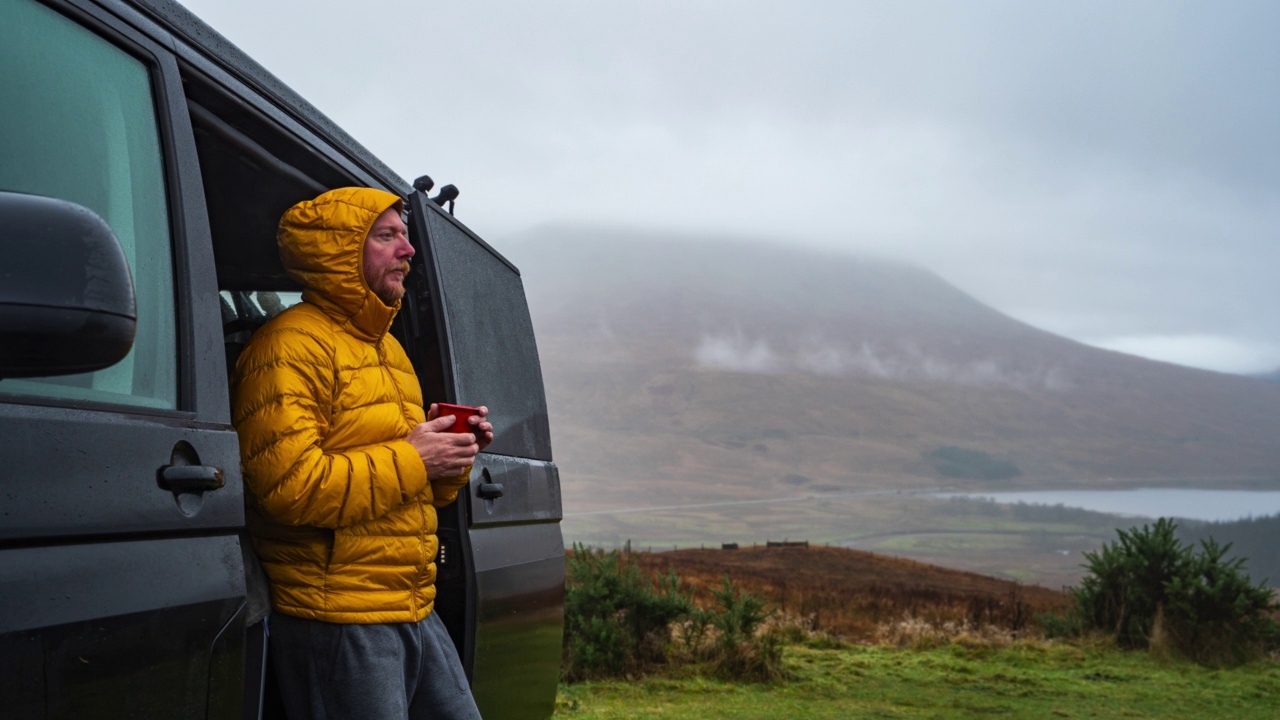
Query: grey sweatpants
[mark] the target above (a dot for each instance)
(398, 671)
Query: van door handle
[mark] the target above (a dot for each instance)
(489, 491)
(190, 478)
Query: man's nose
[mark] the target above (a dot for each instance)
(405, 249)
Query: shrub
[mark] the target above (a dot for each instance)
(744, 653)
(1218, 614)
(1254, 538)
(1125, 584)
(695, 634)
(1066, 625)
(617, 621)
(1149, 589)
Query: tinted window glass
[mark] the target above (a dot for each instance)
(79, 123)
(493, 355)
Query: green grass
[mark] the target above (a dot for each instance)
(1033, 680)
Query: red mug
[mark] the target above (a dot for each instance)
(460, 415)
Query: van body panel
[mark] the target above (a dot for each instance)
(118, 588)
(519, 628)
(80, 472)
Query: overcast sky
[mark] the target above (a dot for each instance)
(1106, 170)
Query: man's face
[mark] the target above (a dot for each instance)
(386, 256)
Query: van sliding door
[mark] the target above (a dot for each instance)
(122, 587)
(502, 589)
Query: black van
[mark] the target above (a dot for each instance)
(124, 588)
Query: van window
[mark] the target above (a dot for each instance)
(79, 123)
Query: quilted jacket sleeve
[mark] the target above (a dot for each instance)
(445, 490)
(281, 410)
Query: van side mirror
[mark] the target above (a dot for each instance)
(66, 294)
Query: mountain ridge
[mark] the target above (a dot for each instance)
(693, 369)
(1273, 376)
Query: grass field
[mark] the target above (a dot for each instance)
(1023, 680)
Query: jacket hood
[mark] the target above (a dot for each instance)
(322, 247)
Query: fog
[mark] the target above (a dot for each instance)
(1107, 172)
(739, 353)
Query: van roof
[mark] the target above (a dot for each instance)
(182, 22)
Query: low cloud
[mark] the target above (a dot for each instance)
(738, 355)
(906, 363)
(1112, 162)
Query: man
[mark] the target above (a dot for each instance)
(345, 472)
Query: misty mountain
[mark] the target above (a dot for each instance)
(1273, 376)
(687, 370)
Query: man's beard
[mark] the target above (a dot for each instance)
(389, 292)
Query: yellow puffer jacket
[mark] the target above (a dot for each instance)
(341, 510)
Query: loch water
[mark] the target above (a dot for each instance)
(1208, 505)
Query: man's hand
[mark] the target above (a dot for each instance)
(481, 428)
(444, 454)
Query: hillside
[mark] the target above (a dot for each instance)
(698, 373)
(857, 594)
(1252, 539)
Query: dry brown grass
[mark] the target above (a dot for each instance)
(864, 597)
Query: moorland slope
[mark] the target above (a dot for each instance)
(685, 372)
(858, 595)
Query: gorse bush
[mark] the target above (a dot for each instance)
(1125, 586)
(618, 622)
(1151, 590)
(1216, 613)
(743, 653)
(1253, 538)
